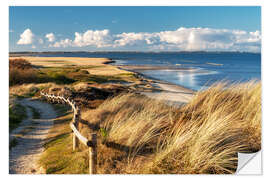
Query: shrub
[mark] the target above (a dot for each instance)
(19, 64)
(21, 71)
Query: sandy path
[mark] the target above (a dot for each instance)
(30, 136)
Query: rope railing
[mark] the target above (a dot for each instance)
(77, 136)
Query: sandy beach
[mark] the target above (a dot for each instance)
(101, 66)
(149, 67)
(172, 93)
(61, 61)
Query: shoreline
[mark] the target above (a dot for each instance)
(174, 94)
(162, 90)
(138, 71)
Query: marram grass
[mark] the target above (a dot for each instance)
(200, 137)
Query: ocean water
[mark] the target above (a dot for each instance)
(207, 67)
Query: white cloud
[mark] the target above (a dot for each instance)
(62, 43)
(207, 39)
(26, 37)
(93, 38)
(50, 37)
(132, 39)
(187, 39)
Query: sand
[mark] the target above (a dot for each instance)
(107, 70)
(31, 136)
(101, 66)
(63, 61)
(149, 67)
(173, 94)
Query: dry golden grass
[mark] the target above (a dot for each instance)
(21, 71)
(31, 89)
(203, 136)
(61, 61)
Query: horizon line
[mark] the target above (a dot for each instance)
(24, 52)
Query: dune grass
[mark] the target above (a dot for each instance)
(212, 128)
(22, 72)
(17, 113)
(141, 135)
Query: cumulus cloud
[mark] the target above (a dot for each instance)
(188, 39)
(132, 39)
(62, 43)
(50, 37)
(93, 38)
(26, 37)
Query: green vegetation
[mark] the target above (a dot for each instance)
(21, 71)
(17, 113)
(58, 157)
(69, 75)
(140, 135)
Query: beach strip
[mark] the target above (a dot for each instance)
(164, 90)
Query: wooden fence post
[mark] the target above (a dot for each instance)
(92, 143)
(93, 154)
(75, 139)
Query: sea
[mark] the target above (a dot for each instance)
(194, 70)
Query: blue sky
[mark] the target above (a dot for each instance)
(134, 28)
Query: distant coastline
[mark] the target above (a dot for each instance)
(26, 53)
(190, 69)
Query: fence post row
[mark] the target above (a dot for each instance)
(91, 144)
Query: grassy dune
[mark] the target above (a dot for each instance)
(137, 134)
(140, 135)
(91, 70)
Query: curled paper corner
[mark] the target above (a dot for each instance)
(249, 163)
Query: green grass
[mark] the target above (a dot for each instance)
(69, 75)
(16, 114)
(58, 157)
(63, 75)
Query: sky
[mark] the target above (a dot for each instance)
(186, 28)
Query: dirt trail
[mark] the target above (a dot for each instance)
(30, 137)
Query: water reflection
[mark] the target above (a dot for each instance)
(186, 78)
